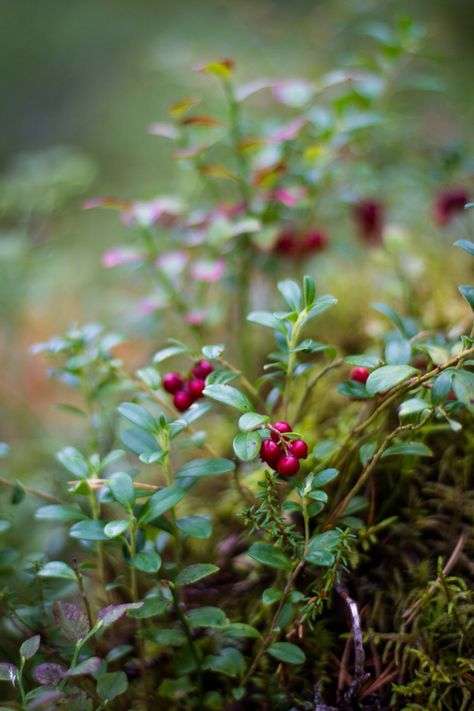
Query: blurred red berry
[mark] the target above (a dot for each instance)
(270, 452)
(172, 382)
(202, 369)
(298, 448)
(182, 400)
(447, 203)
(369, 219)
(360, 375)
(282, 427)
(452, 395)
(196, 387)
(314, 241)
(286, 242)
(288, 465)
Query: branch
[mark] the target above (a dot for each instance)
(34, 492)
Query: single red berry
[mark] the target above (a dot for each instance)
(447, 203)
(195, 387)
(286, 242)
(172, 382)
(298, 448)
(288, 465)
(369, 219)
(202, 369)
(182, 400)
(270, 452)
(282, 427)
(315, 241)
(452, 395)
(360, 375)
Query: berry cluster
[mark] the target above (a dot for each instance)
(185, 391)
(299, 245)
(281, 453)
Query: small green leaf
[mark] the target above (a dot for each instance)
(466, 245)
(291, 292)
(229, 661)
(271, 595)
(229, 395)
(252, 421)
(309, 291)
(366, 452)
(169, 352)
(241, 629)
(159, 503)
(353, 390)
(325, 476)
(363, 361)
(398, 351)
(392, 315)
(207, 617)
(74, 462)
(112, 529)
(89, 530)
(30, 646)
(147, 561)
(4, 526)
(412, 407)
(417, 449)
(138, 416)
(441, 387)
(325, 448)
(265, 318)
(247, 445)
(140, 442)
(195, 526)
(112, 684)
(320, 305)
(150, 376)
(287, 652)
(56, 512)
(123, 491)
(195, 572)
(387, 377)
(463, 386)
(270, 555)
(57, 569)
(213, 352)
(199, 468)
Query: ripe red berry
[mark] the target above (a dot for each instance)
(195, 387)
(452, 395)
(298, 448)
(202, 369)
(182, 400)
(360, 375)
(172, 382)
(286, 242)
(315, 241)
(448, 203)
(369, 218)
(282, 427)
(288, 465)
(270, 452)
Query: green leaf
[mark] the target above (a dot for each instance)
(147, 561)
(417, 449)
(363, 361)
(199, 468)
(270, 555)
(241, 629)
(4, 526)
(230, 662)
(271, 595)
(252, 421)
(89, 530)
(213, 352)
(56, 512)
(150, 376)
(123, 491)
(30, 646)
(265, 318)
(466, 245)
(159, 503)
(138, 416)
(441, 387)
(353, 390)
(195, 526)
(291, 292)
(140, 442)
(412, 407)
(207, 617)
(152, 606)
(463, 386)
(387, 377)
(195, 572)
(318, 495)
(112, 529)
(287, 652)
(322, 558)
(366, 452)
(229, 395)
(112, 684)
(169, 352)
(88, 666)
(325, 448)
(324, 477)
(309, 291)
(247, 445)
(468, 292)
(310, 346)
(392, 315)
(57, 569)
(398, 351)
(323, 303)
(73, 461)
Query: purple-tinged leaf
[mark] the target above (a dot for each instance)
(71, 619)
(44, 698)
(289, 132)
(117, 256)
(88, 666)
(8, 672)
(165, 130)
(49, 674)
(110, 614)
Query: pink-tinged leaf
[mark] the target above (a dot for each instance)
(293, 92)
(207, 121)
(71, 619)
(289, 132)
(208, 270)
(251, 144)
(45, 698)
(222, 68)
(195, 318)
(217, 171)
(108, 202)
(151, 304)
(173, 262)
(49, 674)
(266, 177)
(246, 90)
(182, 107)
(110, 614)
(165, 130)
(88, 666)
(290, 196)
(146, 214)
(117, 256)
(190, 152)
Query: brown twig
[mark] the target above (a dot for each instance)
(360, 676)
(34, 492)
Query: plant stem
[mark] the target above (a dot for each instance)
(34, 492)
(311, 384)
(292, 343)
(192, 646)
(80, 585)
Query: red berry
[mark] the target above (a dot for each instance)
(182, 400)
(315, 241)
(172, 382)
(282, 427)
(369, 218)
(202, 369)
(196, 387)
(286, 242)
(451, 395)
(298, 448)
(288, 465)
(448, 202)
(270, 452)
(360, 375)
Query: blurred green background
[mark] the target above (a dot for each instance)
(89, 77)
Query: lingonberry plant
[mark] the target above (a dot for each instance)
(248, 526)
